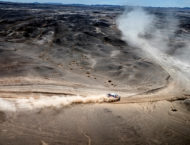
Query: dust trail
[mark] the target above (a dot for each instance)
(6, 105)
(159, 40)
(44, 101)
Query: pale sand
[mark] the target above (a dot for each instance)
(62, 50)
(150, 123)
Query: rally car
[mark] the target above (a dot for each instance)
(113, 97)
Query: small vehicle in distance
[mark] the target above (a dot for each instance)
(113, 97)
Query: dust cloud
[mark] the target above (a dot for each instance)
(19, 104)
(158, 37)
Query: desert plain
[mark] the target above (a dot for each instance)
(57, 64)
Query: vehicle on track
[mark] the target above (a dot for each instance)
(113, 97)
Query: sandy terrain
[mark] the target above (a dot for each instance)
(57, 63)
(154, 123)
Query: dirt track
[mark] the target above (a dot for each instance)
(48, 51)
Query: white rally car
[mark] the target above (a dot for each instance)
(113, 97)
